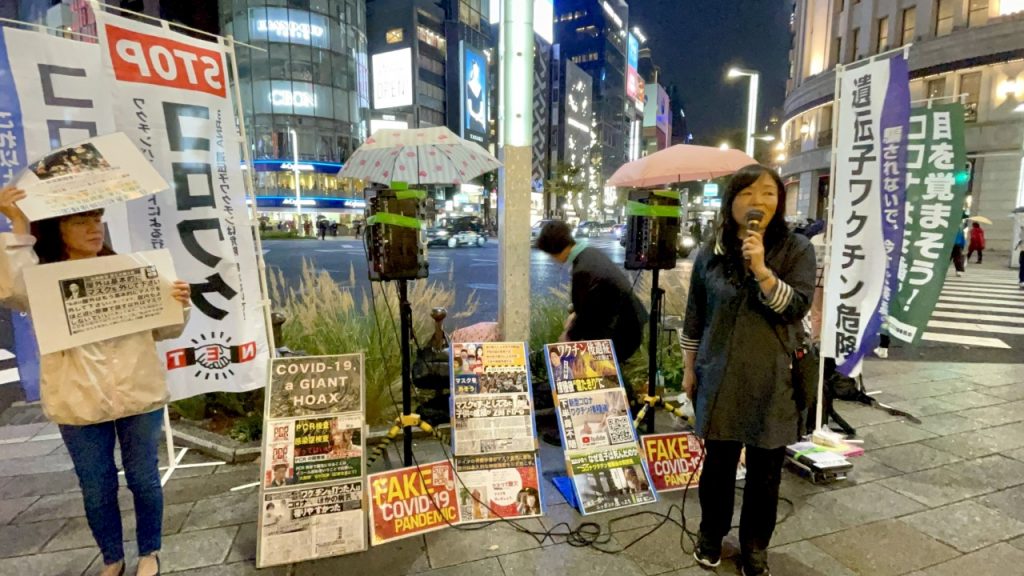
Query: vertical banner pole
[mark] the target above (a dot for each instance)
(250, 190)
(825, 316)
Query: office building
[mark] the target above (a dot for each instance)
(960, 49)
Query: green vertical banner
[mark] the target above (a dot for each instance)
(936, 156)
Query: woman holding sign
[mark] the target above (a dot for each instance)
(748, 295)
(113, 389)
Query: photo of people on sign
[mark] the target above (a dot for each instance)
(498, 486)
(89, 175)
(83, 301)
(313, 385)
(595, 419)
(474, 90)
(305, 524)
(411, 501)
(312, 450)
(611, 479)
(582, 366)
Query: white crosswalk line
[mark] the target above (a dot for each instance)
(976, 299)
(971, 327)
(985, 302)
(976, 308)
(978, 317)
(966, 340)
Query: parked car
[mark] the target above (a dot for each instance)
(535, 229)
(619, 230)
(465, 231)
(587, 229)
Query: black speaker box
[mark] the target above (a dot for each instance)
(396, 252)
(651, 242)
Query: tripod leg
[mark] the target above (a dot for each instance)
(405, 314)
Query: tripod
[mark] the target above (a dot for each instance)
(654, 326)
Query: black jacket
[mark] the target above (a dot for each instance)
(745, 344)
(605, 305)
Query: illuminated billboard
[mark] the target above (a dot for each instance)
(543, 17)
(473, 88)
(392, 79)
(634, 84)
(291, 26)
(579, 96)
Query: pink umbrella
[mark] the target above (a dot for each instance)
(679, 163)
(419, 156)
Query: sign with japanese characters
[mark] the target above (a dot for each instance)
(493, 431)
(412, 501)
(313, 467)
(50, 96)
(171, 94)
(602, 455)
(87, 175)
(78, 302)
(868, 211)
(935, 200)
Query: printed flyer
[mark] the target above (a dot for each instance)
(78, 302)
(602, 455)
(313, 467)
(411, 501)
(499, 486)
(305, 524)
(674, 460)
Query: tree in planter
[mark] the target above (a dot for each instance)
(568, 181)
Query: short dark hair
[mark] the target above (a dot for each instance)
(50, 246)
(555, 237)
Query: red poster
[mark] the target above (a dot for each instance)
(411, 501)
(673, 460)
(499, 486)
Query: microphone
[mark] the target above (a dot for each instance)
(754, 217)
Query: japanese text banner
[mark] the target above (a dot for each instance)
(935, 199)
(171, 91)
(867, 216)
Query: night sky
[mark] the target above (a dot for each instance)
(694, 42)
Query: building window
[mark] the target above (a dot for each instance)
(470, 13)
(977, 13)
(909, 23)
(854, 44)
(431, 38)
(429, 64)
(943, 17)
(883, 35)
(970, 87)
(588, 57)
(837, 48)
(936, 88)
(394, 36)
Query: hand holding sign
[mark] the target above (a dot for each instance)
(9, 198)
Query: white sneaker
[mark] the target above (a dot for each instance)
(1022, 285)
(959, 274)
(882, 353)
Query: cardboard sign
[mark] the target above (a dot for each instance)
(411, 501)
(673, 459)
(78, 302)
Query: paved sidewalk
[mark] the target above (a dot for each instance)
(942, 498)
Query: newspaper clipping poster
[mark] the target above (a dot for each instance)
(89, 175)
(411, 501)
(601, 450)
(491, 399)
(499, 486)
(674, 460)
(78, 302)
(313, 468)
(610, 479)
(304, 524)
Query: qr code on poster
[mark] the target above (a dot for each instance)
(620, 430)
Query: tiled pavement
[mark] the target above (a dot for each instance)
(944, 497)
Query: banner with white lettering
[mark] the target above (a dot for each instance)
(868, 214)
(50, 96)
(171, 93)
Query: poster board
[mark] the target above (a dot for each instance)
(313, 468)
(88, 175)
(412, 501)
(603, 458)
(79, 302)
(674, 460)
(493, 432)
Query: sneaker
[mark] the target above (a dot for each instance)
(756, 565)
(706, 554)
(959, 274)
(882, 353)
(1022, 285)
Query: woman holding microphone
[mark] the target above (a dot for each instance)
(749, 292)
(99, 392)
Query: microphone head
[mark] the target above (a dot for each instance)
(754, 217)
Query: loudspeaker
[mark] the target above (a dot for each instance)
(651, 241)
(395, 252)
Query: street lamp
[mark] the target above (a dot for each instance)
(295, 178)
(751, 104)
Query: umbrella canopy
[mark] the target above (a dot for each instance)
(419, 156)
(679, 163)
(980, 220)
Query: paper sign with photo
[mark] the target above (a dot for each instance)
(78, 302)
(89, 175)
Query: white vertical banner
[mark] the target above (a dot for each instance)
(868, 208)
(171, 94)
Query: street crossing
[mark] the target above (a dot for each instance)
(982, 309)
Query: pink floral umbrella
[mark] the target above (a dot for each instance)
(418, 156)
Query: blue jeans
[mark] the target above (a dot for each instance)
(92, 451)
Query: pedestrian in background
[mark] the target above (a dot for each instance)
(749, 292)
(100, 392)
(977, 243)
(1020, 259)
(958, 252)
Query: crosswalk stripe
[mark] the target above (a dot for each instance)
(977, 308)
(997, 292)
(972, 300)
(972, 327)
(966, 340)
(978, 317)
